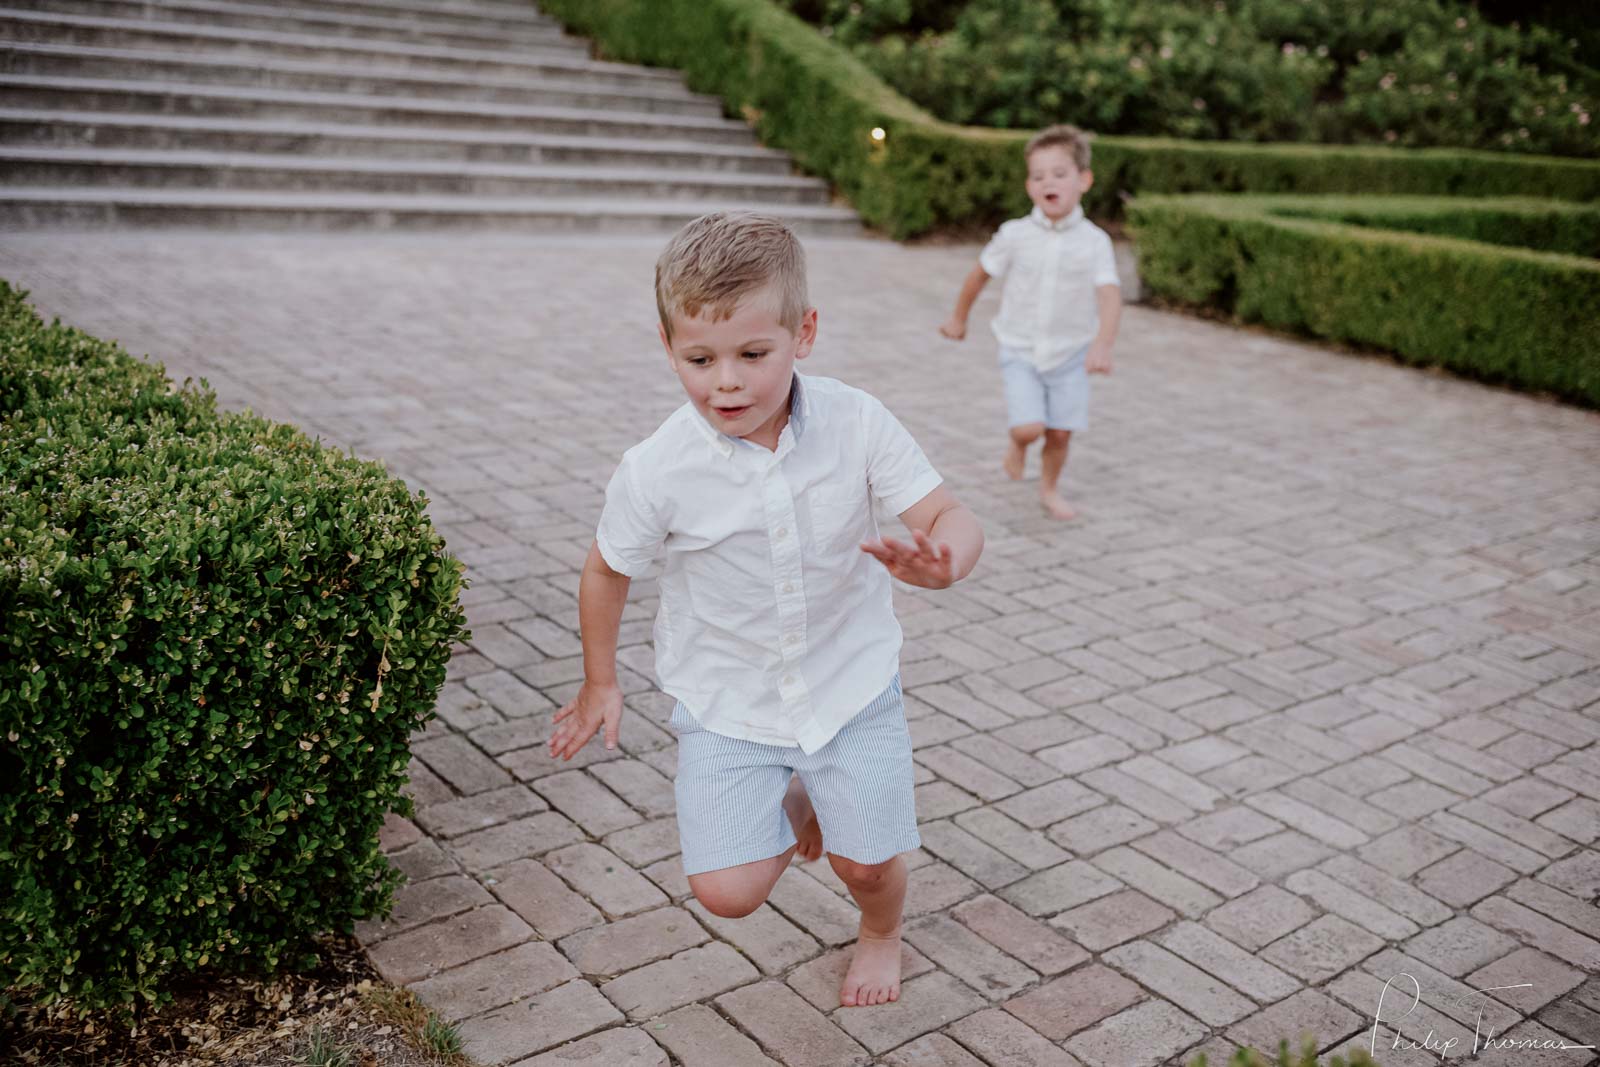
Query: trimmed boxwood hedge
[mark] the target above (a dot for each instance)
(1516, 316)
(1544, 225)
(216, 638)
(812, 98)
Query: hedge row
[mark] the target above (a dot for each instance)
(809, 96)
(216, 637)
(1544, 225)
(1517, 316)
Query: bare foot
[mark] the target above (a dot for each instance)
(1016, 456)
(1056, 506)
(874, 974)
(806, 831)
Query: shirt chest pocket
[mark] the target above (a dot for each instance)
(840, 517)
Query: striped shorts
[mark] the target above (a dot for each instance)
(730, 791)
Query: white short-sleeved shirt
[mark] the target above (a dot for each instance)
(1051, 270)
(773, 625)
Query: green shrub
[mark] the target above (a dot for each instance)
(1517, 316)
(216, 637)
(1544, 225)
(1408, 72)
(809, 96)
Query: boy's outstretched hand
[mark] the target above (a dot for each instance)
(954, 328)
(920, 563)
(593, 707)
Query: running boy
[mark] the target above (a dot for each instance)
(775, 632)
(1059, 308)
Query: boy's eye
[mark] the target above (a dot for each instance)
(753, 354)
(699, 361)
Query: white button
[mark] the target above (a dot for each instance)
(788, 679)
(783, 532)
(788, 587)
(791, 638)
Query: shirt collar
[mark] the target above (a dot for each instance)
(1074, 217)
(799, 410)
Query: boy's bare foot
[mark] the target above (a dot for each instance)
(1056, 506)
(1016, 457)
(874, 974)
(804, 820)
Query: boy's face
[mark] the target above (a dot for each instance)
(1055, 184)
(737, 370)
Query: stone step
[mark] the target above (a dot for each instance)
(77, 61)
(468, 12)
(181, 171)
(181, 132)
(111, 95)
(28, 207)
(352, 53)
(293, 17)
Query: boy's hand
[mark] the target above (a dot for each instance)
(922, 563)
(1098, 361)
(954, 328)
(594, 706)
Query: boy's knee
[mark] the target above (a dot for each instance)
(1027, 433)
(724, 900)
(859, 875)
(1057, 437)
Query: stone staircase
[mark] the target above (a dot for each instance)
(342, 114)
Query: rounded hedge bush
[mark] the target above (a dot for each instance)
(217, 638)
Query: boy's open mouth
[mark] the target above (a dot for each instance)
(731, 413)
(1052, 197)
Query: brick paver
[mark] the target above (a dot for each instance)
(1307, 698)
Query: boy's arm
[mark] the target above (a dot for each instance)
(602, 594)
(946, 542)
(1108, 298)
(955, 327)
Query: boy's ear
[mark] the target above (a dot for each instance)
(806, 335)
(1087, 177)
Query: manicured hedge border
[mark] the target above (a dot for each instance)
(811, 98)
(216, 639)
(1541, 225)
(1516, 316)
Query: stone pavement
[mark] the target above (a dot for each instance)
(1307, 699)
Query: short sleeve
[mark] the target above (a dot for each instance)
(995, 259)
(630, 533)
(898, 473)
(1105, 263)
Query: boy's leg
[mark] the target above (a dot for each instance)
(1017, 452)
(1067, 409)
(734, 892)
(1025, 410)
(863, 785)
(1052, 457)
(742, 814)
(807, 834)
(880, 890)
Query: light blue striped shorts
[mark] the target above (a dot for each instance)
(730, 791)
(1058, 397)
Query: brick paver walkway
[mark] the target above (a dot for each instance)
(1308, 698)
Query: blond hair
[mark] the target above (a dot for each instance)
(1071, 138)
(716, 260)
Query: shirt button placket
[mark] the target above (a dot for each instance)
(788, 592)
(1054, 245)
